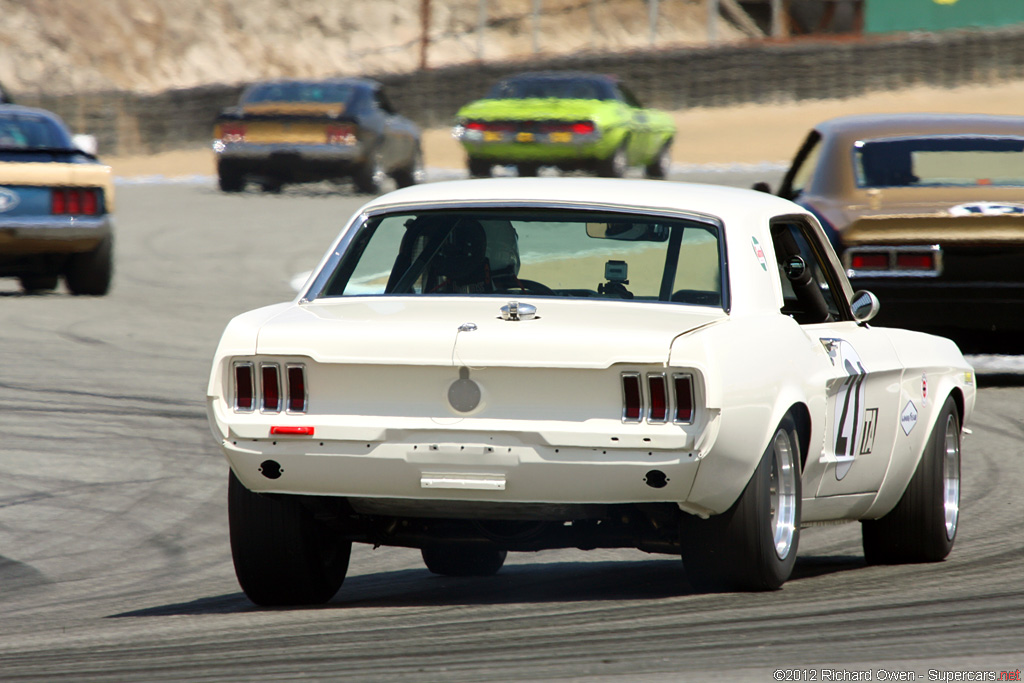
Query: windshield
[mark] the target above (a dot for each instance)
(575, 88)
(543, 252)
(28, 132)
(300, 92)
(940, 161)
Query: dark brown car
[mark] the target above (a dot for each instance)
(926, 211)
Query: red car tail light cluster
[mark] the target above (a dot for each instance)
(75, 201)
(904, 261)
(656, 398)
(275, 391)
(232, 132)
(338, 134)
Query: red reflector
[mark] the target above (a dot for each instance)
(341, 135)
(243, 387)
(911, 261)
(232, 132)
(58, 201)
(291, 431)
(879, 261)
(632, 398)
(684, 398)
(271, 388)
(659, 398)
(296, 389)
(584, 128)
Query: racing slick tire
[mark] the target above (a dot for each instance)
(411, 174)
(615, 165)
(455, 560)
(282, 555)
(751, 546)
(89, 273)
(229, 177)
(922, 527)
(658, 168)
(38, 283)
(479, 168)
(367, 177)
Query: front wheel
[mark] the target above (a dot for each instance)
(368, 176)
(752, 545)
(479, 168)
(282, 555)
(922, 527)
(411, 174)
(455, 560)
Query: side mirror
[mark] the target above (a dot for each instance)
(865, 306)
(762, 186)
(86, 143)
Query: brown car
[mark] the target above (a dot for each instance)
(926, 211)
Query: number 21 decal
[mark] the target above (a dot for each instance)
(853, 423)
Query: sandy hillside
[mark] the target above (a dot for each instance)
(68, 46)
(746, 134)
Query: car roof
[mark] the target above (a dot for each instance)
(727, 203)
(910, 124)
(559, 75)
(31, 111)
(352, 80)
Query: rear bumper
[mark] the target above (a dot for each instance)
(487, 469)
(931, 304)
(52, 234)
(290, 160)
(560, 154)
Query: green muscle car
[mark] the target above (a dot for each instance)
(573, 121)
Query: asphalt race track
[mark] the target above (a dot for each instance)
(114, 558)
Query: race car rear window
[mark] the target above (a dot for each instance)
(21, 131)
(300, 92)
(572, 88)
(940, 161)
(541, 252)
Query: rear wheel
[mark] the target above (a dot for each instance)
(753, 545)
(922, 527)
(479, 168)
(38, 283)
(368, 176)
(411, 174)
(615, 165)
(455, 560)
(527, 170)
(229, 178)
(282, 555)
(90, 272)
(658, 168)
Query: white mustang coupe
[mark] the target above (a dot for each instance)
(486, 366)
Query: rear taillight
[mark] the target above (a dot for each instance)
(244, 387)
(663, 400)
(583, 128)
(682, 386)
(75, 201)
(632, 397)
(296, 389)
(340, 135)
(273, 393)
(232, 132)
(658, 390)
(915, 261)
(870, 261)
(270, 383)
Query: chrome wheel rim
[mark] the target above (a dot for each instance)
(782, 495)
(951, 477)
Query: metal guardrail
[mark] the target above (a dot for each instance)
(129, 123)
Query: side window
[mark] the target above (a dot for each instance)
(810, 293)
(806, 161)
(382, 102)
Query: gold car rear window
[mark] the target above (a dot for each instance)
(940, 161)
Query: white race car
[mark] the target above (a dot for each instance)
(486, 366)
